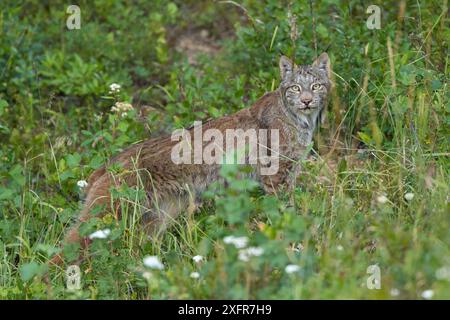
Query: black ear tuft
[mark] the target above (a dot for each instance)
(323, 62)
(286, 67)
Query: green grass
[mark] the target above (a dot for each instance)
(386, 134)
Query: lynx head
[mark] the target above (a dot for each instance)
(304, 89)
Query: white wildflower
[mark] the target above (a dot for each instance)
(255, 251)
(428, 294)
(195, 275)
(395, 292)
(292, 268)
(228, 239)
(100, 234)
(238, 242)
(245, 254)
(382, 199)
(339, 247)
(197, 259)
(82, 184)
(114, 88)
(443, 273)
(147, 275)
(409, 196)
(153, 262)
(122, 108)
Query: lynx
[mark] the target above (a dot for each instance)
(294, 110)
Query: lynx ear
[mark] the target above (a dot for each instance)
(323, 62)
(286, 67)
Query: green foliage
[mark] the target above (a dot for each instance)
(386, 135)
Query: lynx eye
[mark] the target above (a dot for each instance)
(295, 88)
(316, 86)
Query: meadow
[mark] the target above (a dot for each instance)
(369, 218)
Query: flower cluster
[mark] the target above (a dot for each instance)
(153, 262)
(246, 254)
(409, 196)
(197, 259)
(292, 268)
(394, 292)
(427, 294)
(114, 88)
(122, 108)
(100, 234)
(238, 242)
(241, 243)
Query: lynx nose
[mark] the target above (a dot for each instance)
(306, 98)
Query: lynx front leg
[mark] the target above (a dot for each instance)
(284, 179)
(273, 183)
(293, 175)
